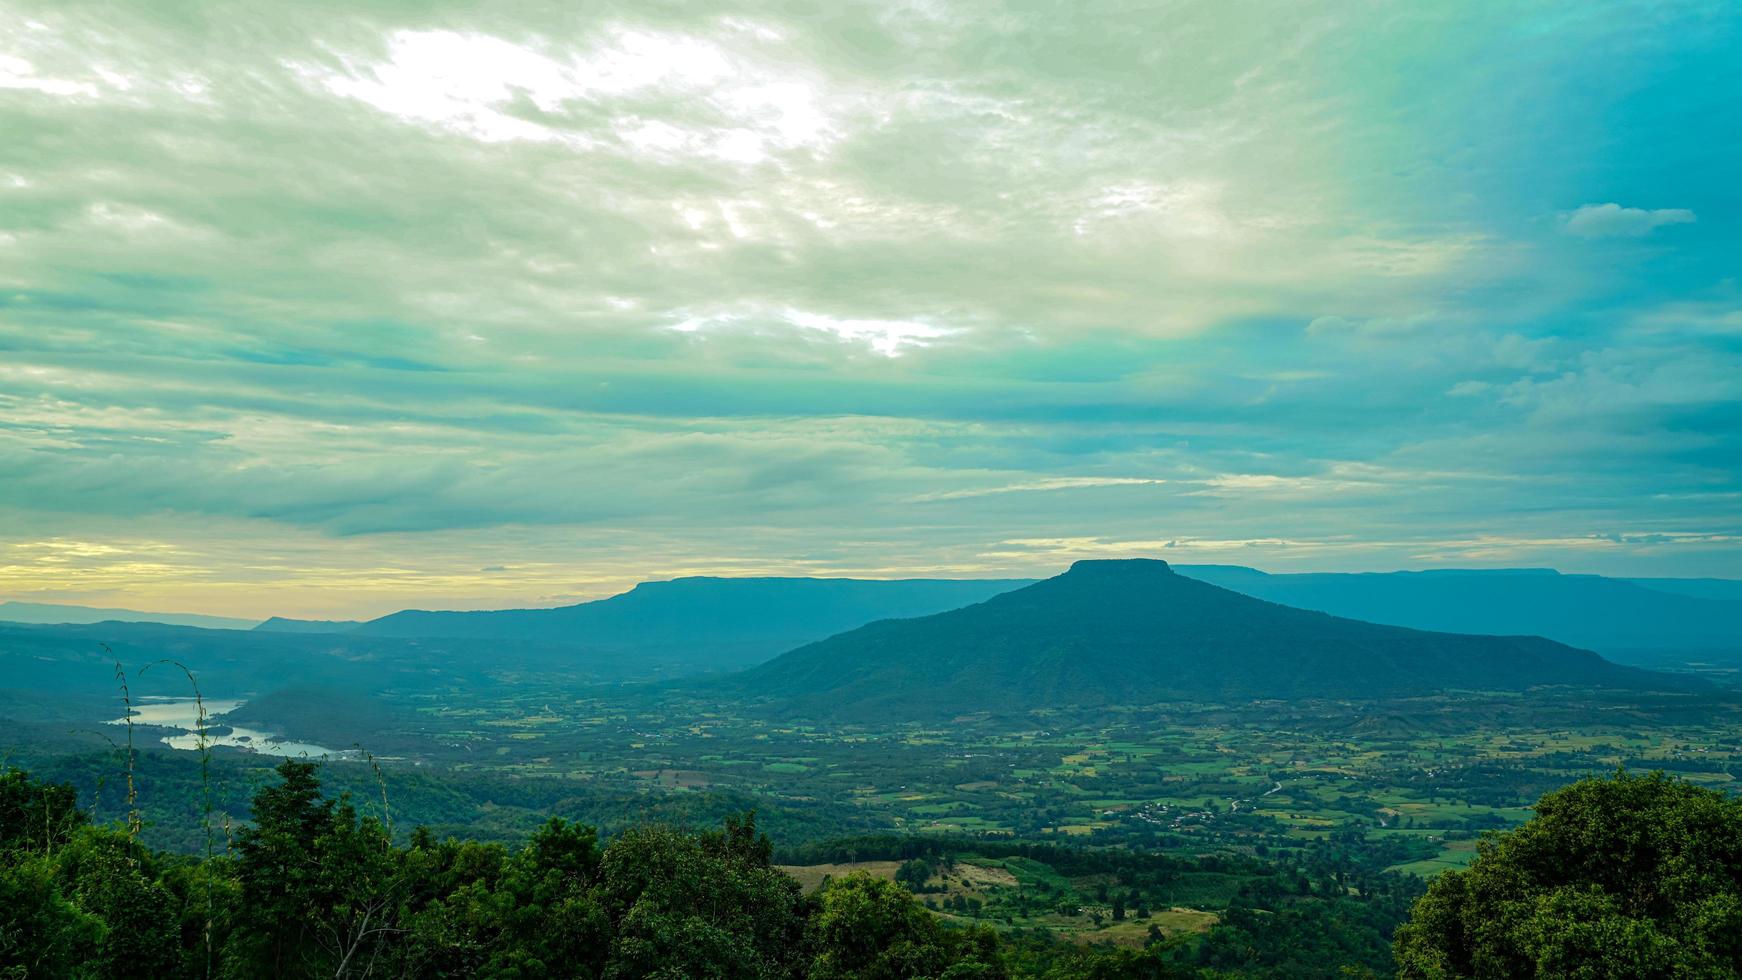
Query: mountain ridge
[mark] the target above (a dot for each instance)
(714, 621)
(1634, 620)
(55, 613)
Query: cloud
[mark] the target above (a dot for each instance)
(1613, 220)
(1047, 485)
(365, 301)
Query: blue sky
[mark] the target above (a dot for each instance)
(338, 308)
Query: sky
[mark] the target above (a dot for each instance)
(330, 309)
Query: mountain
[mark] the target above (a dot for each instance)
(1134, 632)
(1702, 588)
(282, 624)
(1627, 620)
(53, 612)
(710, 622)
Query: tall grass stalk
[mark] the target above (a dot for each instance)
(381, 781)
(133, 821)
(206, 791)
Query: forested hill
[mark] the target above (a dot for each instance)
(1134, 632)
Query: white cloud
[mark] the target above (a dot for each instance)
(1045, 485)
(473, 84)
(17, 73)
(887, 337)
(1612, 220)
(1184, 209)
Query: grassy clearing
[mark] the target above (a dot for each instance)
(810, 876)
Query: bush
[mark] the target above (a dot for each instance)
(1620, 877)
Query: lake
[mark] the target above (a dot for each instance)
(183, 714)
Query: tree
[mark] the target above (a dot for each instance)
(276, 870)
(36, 815)
(41, 933)
(871, 929)
(317, 883)
(712, 906)
(109, 875)
(1625, 876)
(914, 873)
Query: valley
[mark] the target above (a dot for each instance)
(1118, 756)
(1423, 776)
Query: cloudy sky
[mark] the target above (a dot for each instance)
(334, 308)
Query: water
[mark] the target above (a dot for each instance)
(183, 714)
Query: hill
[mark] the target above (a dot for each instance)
(284, 624)
(1645, 621)
(54, 612)
(711, 622)
(1134, 632)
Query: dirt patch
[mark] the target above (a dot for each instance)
(674, 778)
(969, 880)
(1134, 932)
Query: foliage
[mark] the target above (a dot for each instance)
(870, 929)
(314, 889)
(1625, 876)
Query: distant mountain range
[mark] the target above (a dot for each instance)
(1134, 632)
(739, 621)
(1105, 632)
(54, 612)
(1645, 621)
(713, 622)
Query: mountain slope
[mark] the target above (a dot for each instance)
(1727, 589)
(1134, 632)
(1616, 617)
(717, 622)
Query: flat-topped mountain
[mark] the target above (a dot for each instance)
(713, 622)
(1134, 632)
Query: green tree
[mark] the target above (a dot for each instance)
(317, 883)
(914, 873)
(708, 906)
(871, 929)
(1620, 877)
(110, 876)
(36, 815)
(42, 934)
